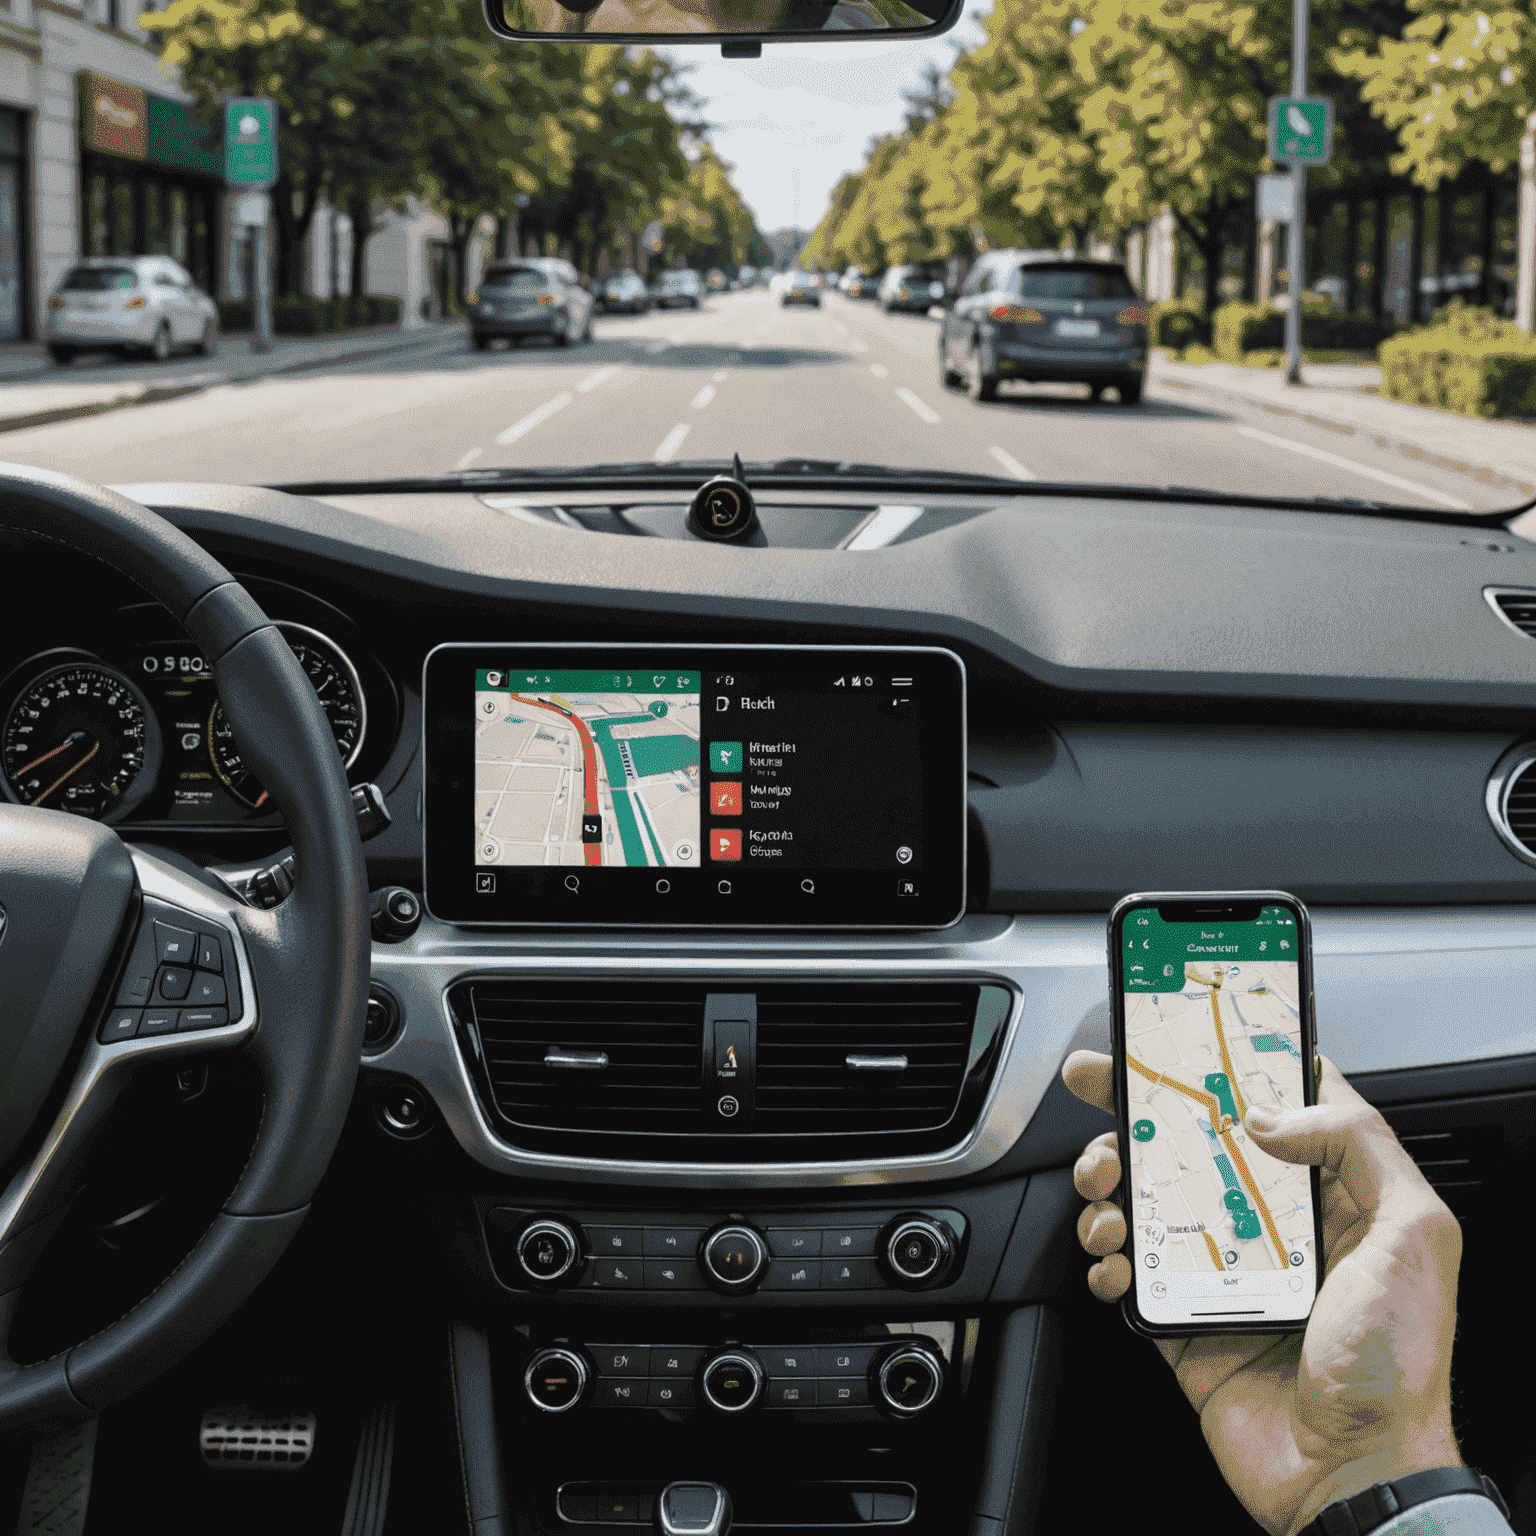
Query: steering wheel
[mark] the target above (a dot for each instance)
(83, 914)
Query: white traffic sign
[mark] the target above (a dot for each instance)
(253, 209)
(1277, 197)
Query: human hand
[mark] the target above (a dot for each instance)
(1296, 1421)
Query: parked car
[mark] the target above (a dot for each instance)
(861, 285)
(130, 305)
(916, 287)
(800, 288)
(531, 296)
(716, 280)
(678, 288)
(1043, 318)
(625, 293)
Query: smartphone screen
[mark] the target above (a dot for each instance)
(1216, 1020)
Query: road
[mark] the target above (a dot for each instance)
(743, 375)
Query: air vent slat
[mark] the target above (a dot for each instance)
(1519, 810)
(1519, 608)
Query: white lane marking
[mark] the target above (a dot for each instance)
(887, 525)
(1011, 464)
(879, 370)
(469, 458)
(672, 442)
(719, 376)
(921, 407)
(596, 379)
(529, 422)
(703, 397)
(859, 346)
(1397, 482)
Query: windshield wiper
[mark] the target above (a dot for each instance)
(831, 474)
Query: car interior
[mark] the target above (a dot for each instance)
(366, 1171)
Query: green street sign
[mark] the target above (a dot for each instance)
(1300, 130)
(250, 142)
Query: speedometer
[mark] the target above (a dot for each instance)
(336, 684)
(79, 738)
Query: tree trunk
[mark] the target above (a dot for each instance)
(505, 234)
(360, 211)
(460, 231)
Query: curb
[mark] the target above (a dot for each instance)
(159, 394)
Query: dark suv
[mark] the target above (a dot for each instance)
(1043, 318)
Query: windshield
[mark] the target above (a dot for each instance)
(1038, 260)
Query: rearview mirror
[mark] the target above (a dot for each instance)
(738, 24)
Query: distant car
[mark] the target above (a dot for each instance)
(531, 296)
(716, 280)
(625, 294)
(800, 288)
(849, 280)
(133, 305)
(678, 289)
(916, 287)
(1043, 318)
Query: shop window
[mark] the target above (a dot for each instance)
(1328, 255)
(97, 228)
(120, 231)
(157, 232)
(10, 251)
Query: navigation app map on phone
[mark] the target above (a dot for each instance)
(1220, 1230)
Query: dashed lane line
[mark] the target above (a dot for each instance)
(1011, 464)
(919, 406)
(703, 397)
(469, 458)
(718, 376)
(595, 379)
(879, 370)
(672, 442)
(535, 418)
(1397, 482)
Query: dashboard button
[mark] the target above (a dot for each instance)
(621, 1360)
(671, 1275)
(847, 1274)
(614, 1242)
(910, 1379)
(732, 1382)
(548, 1251)
(175, 981)
(209, 956)
(790, 1394)
(617, 1275)
(671, 1242)
(620, 1392)
(666, 1393)
(202, 1018)
(158, 1021)
(174, 946)
(844, 1359)
(120, 1024)
(675, 1362)
(793, 1275)
(848, 1392)
(618, 1507)
(793, 1361)
(794, 1242)
(734, 1258)
(555, 1379)
(849, 1242)
(207, 990)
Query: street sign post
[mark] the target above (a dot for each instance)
(1277, 197)
(250, 167)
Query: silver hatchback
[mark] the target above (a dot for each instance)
(134, 305)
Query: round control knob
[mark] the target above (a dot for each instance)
(547, 1251)
(917, 1251)
(555, 1379)
(732, 1382)
(909, 1379)
(734, 1258)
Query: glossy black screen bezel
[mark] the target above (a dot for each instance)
(1117, 918)
(760, 898)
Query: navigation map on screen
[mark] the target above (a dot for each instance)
(583, 767)
(1213, 1027)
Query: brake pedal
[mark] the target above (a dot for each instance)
(242, 1440)
(58, 1486)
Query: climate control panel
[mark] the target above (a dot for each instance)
(894, 1378)
(777, 1255)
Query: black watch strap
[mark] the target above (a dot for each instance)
(1377, 1504)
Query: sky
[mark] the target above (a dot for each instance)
(795, 120)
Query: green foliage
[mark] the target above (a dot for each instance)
(313, 317)
(1469, 361)
(1239, 329)
(1178, 324)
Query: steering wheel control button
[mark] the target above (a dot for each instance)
(548, 1251)
(175, 983)
(202, 1018)
(909, 1380)
(210, 957)
(158, 1021)
(174, 946)
(917, 1251)
(120, 1024)
(555, 1380)
(207, 990)
(734, 1259)
(732, 1382)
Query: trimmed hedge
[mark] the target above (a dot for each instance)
(1177, 324)
(1468, 361)
(1241, 328)
(313, 317)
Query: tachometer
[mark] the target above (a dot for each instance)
(79, 738)
(336, 684)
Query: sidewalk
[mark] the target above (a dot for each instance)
(1344, 398)
(35, 392)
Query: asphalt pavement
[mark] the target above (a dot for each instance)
(742, 375)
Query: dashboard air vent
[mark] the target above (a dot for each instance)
(843, 1068)
(1510, 800)
(1515, 606)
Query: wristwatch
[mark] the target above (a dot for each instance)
(1377, 1504)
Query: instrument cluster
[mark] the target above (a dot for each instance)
(126, 725)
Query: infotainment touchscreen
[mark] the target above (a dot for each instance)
(686, 786)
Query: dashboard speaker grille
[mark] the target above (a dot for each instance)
(844, 1069)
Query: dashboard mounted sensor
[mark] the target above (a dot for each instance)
(722, 509)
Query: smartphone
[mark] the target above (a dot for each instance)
(1211, 1006)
